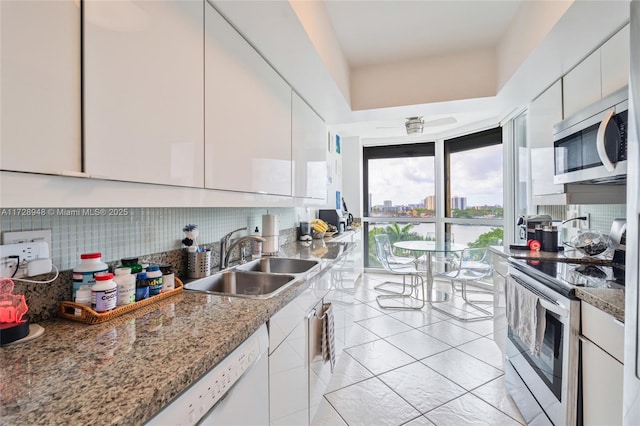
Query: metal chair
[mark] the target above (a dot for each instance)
(473, 266)
(398, 266)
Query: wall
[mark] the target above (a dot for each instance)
(600, 215)
(141, 231)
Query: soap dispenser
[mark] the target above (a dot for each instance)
(256, 246)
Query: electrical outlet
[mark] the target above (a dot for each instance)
(585, 224)
(26, 252)
(19, 237)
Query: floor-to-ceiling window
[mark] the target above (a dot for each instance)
(401, 196)
(473, 189)
(399, 188)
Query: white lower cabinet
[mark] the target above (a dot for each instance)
(601, 344)
(500, 327)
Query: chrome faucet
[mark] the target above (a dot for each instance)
(225, 261)
(224, 242)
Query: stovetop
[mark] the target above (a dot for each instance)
(571, 275)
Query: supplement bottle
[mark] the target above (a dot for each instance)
(132, 262)
(154, 278)
(168, 278)
(84, 273)
(83, 295)
(142, 286)
(104, 293)
(126, 283)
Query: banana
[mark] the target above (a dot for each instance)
(319, 225)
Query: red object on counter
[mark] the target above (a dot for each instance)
(535, 245)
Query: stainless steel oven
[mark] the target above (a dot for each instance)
(591, 146)
(544, 383)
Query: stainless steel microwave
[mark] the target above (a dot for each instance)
(591, 146)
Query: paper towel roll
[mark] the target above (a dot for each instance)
(270, 225)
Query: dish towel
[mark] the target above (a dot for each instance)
(525, 315)
(328, 335)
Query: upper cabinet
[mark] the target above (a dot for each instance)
(600, 74)
(40, 80)
(247, 115)
(309, 136)
(143, 91)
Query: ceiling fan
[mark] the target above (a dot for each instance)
(417, 124)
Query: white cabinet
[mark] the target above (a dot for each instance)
(40, 80)
(143, 91)
(602, 345)
(247, 115)
(600, 74)
(309, 140)
(500, 272)
(544, 112)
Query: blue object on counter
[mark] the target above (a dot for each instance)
(142, 286)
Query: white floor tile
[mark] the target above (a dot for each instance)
(347, 372)
(450, 333)
(362, 311)
(421, 386)
(359, 335)
(371, 403)
(327, 416)
(417, 344)
(485, 350)
(420, 421)
(420, 318)
(483, 327)
(469, 410)
(496, 394)
(384, 326)
(379, 356)
(462, 369)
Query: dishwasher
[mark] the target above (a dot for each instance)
(234, 392)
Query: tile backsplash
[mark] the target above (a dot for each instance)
(600, 215)
(138, 231)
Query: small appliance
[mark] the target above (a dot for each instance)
(591, 146)
(304, 231)
(333, 217)
(527, 226)
(618, 236)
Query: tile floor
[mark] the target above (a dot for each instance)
(416, 368)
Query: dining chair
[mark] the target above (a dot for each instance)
(404, 267)
(471, 269)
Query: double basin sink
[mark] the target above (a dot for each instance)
(260, 279)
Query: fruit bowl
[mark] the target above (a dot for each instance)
(590, 243)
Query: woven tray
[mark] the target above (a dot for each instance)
(77, 312)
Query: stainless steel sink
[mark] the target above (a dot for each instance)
(237, 283)
(278, 265)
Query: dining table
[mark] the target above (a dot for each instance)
(429, 249)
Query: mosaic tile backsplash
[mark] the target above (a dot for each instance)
(140, 232)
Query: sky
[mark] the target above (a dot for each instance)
(475, 174)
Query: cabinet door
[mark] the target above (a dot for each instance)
(143, 71)
(602, 377)
(614, 56)
(247, 115)
(582, 85)
(40, 80)
(309, 138)
(544, 112)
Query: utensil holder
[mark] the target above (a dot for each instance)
(199, 264)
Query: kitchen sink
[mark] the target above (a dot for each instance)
(251, 284)
(278, 265)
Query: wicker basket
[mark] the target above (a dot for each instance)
(77, 312)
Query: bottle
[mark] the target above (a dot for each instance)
(256, 246)
(142, 286)
(126, 283)
(84, 273)
(154, 278)
(104, 293)
(168, 278)
(132, 262)
(550, 239)
(83, 295)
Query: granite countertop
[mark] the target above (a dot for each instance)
(571, 256)
(609, 300)
(123, 371)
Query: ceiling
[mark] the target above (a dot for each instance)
(376, 32)
(381, 32)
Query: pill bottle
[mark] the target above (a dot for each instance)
(154, 278)
(104, 293)
(84, 273)
(126, 283)
(83, 295)
(168, 278)
(132, 262)
(142, 286)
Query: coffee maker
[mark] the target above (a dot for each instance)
(618, 237)
(333, 217)
(527, 226)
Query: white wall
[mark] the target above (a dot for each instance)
(352, 174)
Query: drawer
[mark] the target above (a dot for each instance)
(603, 330)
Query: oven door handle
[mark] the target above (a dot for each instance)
(601, 142)
(556, 309)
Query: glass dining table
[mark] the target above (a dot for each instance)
(429, 249)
